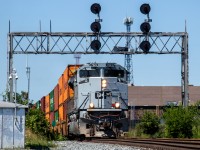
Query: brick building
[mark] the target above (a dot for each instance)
(160, 95)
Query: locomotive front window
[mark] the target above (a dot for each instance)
(108, 72)
(89, 73)
(113, 73)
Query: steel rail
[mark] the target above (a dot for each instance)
(164, 144)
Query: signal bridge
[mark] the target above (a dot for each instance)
(79, 42)
(111, 43)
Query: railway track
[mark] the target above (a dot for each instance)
(158, 144)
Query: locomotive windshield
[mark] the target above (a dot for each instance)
(89, 73)
(113, 73)
(108, 72)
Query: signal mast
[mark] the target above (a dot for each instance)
(128, 21)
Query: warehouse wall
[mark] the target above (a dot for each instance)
(159, 95)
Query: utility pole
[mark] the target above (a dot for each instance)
(28, 71)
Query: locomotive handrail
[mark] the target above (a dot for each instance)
(124, 102)
(87, 98)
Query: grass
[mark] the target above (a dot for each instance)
(134, 133)
(35, 141)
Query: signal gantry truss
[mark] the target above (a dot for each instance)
(111, 43)
(73, 42)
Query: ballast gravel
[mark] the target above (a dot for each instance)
(75, 145)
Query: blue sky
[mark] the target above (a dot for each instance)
(75, 16)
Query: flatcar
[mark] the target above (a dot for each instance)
(99, 107)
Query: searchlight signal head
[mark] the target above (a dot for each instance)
(145, 27)
(95, 8)
(145, 9)
(95, 45)
(145, 46)
(95, 27)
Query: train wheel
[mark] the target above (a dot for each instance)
(81, 137)
(71, 136)
(117, 133)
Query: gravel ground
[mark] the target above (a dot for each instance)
(75, 145)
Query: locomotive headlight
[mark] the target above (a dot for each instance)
(103, 83)
(117, 105)
(91, 105)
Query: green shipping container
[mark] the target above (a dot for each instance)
(56, 116)
(51, 96)
(38, 104)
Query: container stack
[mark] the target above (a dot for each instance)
(55, 104)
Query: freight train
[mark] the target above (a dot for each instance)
(95, 104)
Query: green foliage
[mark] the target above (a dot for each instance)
(35, 120)
(161, 132)
(180, 121)
(59, 137)
(149, 123)
(196, 126)
(22, 98)
(137, 132)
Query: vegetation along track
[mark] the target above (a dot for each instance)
(158, 144)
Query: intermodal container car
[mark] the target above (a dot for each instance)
(47, 116)
(42, 104)
(47, 104)
(52, 117)
(51, 97)
(61, 110)
(56, 104)
(56, 97)
(61, 92)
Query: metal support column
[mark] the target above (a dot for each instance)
(184, 72)
(128, 21)
(28, 71)
(10, 61)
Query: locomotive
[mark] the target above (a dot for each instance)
(99, 107)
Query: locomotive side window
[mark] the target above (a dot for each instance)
(89, 73)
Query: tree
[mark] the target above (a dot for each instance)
(35, 120)
(22, 98)
(179, 121)
(150, 123)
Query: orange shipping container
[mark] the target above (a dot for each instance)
(60, 110)
(71, 70)
(47, 104)
(65, 84)
(61, 92)
(65, 128)
(47, 116)
(65, 111)
(58, 128)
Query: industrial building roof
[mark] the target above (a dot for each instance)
(11, 105)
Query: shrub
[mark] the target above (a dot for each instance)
(179, 121)
(149, 123)
(35, 120)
